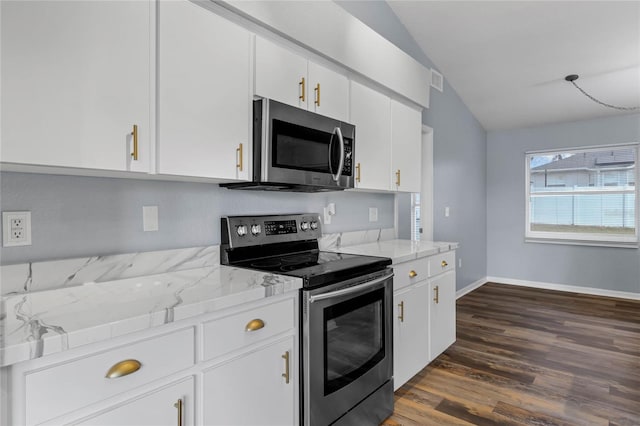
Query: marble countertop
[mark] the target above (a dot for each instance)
(35, 324)
(398, 250)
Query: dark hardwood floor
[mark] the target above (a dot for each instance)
(531, 357)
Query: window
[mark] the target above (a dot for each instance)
(584, 195)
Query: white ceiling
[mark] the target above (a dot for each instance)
(507, 59)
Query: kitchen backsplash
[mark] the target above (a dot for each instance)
(49, 275)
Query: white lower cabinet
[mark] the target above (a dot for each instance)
(172, 405)
(257, 388)
(442, 313)
(236, 366)
(410, 332)
(424, 323)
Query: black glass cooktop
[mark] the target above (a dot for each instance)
(318, 268)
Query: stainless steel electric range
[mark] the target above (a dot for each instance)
(345, 321)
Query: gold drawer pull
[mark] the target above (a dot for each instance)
(412, 274)
(134, 134)
(255, 324)
(437, 296)
(444, 264)
(398, 178)
(123, 368)
(358, 172)
(302, 89)
(239, 157)
(317, 90)
(401, 316)
(179, 406)
(285, 356)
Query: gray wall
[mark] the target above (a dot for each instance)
(459, 154)
(508, 255)
(86, 216)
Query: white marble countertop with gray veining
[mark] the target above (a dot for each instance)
(398, 250)
(39, 323)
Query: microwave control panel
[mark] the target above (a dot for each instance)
(348, 157)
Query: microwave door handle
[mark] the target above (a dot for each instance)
(338, 132)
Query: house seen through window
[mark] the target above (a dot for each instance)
(583, 195)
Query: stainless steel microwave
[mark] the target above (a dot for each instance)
(298, 150)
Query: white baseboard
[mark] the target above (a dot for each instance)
(471, 287)
(564, 287)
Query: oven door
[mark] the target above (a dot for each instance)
(346, 347)
(303, 148)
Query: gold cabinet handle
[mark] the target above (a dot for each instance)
(358, 172)
(123, 368)
(412, 274)
(285, 356)
(239, 154)
(401, 316)
(301, 84)
(398, 178)
(317, 90)
(444, 264)
(134, 134)
(436, 298)
(255, 324)
(179, 404)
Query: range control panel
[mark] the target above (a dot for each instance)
(245, 231)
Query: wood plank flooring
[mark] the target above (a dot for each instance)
(531, 357)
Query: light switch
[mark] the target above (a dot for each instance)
(149, 218)
(446, 212)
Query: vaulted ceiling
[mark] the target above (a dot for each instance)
(507, 59)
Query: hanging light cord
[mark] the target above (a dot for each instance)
(572, 79)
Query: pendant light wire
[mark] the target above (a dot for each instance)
(572, 79)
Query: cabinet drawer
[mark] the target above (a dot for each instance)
(81, 382)
(442, 262)
(230, 333)
(408, 273)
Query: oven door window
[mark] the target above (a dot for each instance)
(301, 148)
(353, 339)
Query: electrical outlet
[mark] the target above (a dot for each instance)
(16, 229)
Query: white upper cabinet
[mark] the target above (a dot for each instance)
(281, 74)
(76, 79)
(406, 146)
(204, 93)
(328, 92)
(287, 77)
(370, 112)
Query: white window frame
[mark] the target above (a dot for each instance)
(609, 240)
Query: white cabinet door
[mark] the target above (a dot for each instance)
(76, 78)
(280, 74)
(406, 143)
(252, 389)
(371, 114)
(204, 93)
(410, 332)
(442, 317)
(328, 92)
(169, 406)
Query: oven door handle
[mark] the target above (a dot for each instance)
(338, 132)
(348, 290)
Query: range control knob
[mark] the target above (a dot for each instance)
(304, 226)
(314, 225)
(256, 229)
(241, 230)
